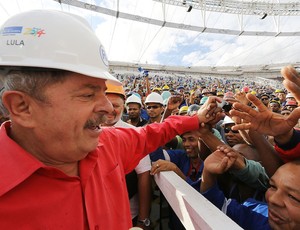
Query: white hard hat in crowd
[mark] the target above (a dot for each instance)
(227, 120)
(53, 39)
(290, 95)
(134, 99)
(154, 98)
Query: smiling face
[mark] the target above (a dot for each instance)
(66, 127)
(190, 142)
(283, 197)
(118, 107)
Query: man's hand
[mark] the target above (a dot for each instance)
(291, 81)
(263, 121)
(241, 97)
(174, 102)
(220, 160)
(237, 160)
(216, 163)
(209, 112)
(205, 130)
(162, 165)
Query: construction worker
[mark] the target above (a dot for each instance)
(154, 105)
(59, 169)
(134, 108)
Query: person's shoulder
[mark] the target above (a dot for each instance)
(176, 152)
(123, 124)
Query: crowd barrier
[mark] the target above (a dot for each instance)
(193, 210)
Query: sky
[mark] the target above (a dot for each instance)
(138, 42)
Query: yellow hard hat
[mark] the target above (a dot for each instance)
(279, 91)
(156, 89)
(183, 110)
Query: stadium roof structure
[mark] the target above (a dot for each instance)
(199, 35)
(250, 71)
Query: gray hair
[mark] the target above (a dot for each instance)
(31, 81)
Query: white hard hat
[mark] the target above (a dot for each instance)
(227, 120)
(290, 95)
(53, 39)
(154, 98)
(134, 99)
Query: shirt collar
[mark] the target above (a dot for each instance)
(15, 163)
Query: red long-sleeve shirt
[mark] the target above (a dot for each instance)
(36, 196)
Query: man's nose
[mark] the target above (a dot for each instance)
(104, 106)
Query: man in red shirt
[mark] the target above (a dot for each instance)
(59, 169)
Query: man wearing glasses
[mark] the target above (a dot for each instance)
(265, 99)
(154, 106)
(232, 137)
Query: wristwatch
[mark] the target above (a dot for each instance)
(145, 222)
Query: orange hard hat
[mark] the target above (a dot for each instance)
(116, 89)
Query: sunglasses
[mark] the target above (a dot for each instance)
(264, 99)
(152, 107)
(228, 129)
(285, 113)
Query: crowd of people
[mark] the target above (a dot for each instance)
(79, 147)
(256, 153)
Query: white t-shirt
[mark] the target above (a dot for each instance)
(143, 166)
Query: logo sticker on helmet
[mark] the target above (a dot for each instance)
(12, 30)
(34, 31)
(103, 55)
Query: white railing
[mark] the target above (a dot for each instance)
(194, 211)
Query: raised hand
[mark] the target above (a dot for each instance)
(174, 102)
(291, 81)
(209, 112)
(216, 163)
(263, 120)
(220, 160)
(241, 97)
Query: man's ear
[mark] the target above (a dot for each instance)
(18, 104)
